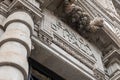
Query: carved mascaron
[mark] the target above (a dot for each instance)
(79, 19)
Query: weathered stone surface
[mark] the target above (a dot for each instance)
(10, 73)
(79, 19)
(15, 46)
(55, 42)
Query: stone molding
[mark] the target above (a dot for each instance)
(24, 5)
(45, 38)
(99, 75)
(111, 55)
(81, 50)
(110, 59)
(85, 60)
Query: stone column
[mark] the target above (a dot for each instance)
(15, 46)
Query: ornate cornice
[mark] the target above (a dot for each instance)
(26, 6)
(45, 38)
(110, 56)
(99, 75)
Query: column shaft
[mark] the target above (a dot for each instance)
(15, 46)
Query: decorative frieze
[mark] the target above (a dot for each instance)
(73, 52)
(71, 37)
(67, 39)
(45, 38)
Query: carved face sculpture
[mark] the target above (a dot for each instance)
(96, 24)
(77, 17)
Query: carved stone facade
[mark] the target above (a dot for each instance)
(59, 40)
(79, 19)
